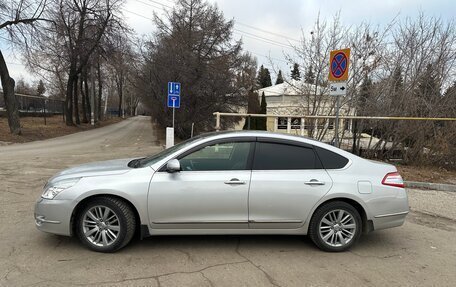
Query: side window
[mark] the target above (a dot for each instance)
(275, 156)
(223, 156)
(329, 159)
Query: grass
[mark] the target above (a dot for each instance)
(33, 128)
(427, 174)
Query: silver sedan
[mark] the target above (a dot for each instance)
(226, 183)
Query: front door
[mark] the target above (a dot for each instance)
(210, 191)
(287, 181)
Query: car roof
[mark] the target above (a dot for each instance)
(274, 135)
(257, 133)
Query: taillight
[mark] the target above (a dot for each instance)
(393, 179)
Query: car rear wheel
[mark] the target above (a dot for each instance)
(105, 224)
(335, 226)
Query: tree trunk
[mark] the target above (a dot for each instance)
(69, 99)
(76, 101)
(100, 91)
(355, 133)
(87, 95)
(120, 92)
(83, 99)
(10, 98)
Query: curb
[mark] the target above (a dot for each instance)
(430, 185)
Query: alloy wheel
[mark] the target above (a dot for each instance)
(337, 228)
(101, 225)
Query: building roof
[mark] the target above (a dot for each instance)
(291, 88)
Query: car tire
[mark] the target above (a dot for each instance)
(335, 226)
(105, 224)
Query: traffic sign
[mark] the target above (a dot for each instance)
(338, 89)
(174, 88)
(339, 61)
(173, 101)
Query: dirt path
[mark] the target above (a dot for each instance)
(421, 253)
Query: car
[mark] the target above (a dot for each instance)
(244, 182)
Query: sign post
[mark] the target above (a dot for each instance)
(174, 109)
(339, 61)
(174, 89)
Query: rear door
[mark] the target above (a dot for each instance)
(287, 181)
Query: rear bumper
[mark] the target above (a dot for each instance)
(384, 221)
(53, 216)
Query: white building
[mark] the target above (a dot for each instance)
(290, 101)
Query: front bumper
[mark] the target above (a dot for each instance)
(53, 216)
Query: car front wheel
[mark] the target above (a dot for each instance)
(335, 226)
(105, 224)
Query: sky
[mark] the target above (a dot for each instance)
(267, 27)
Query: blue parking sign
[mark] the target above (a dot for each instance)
(173, 101)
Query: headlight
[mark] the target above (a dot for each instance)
(53, 189)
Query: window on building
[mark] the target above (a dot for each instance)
(282, 123)
(331, 124)
(295, 123)
(347, 125)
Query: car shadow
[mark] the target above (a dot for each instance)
(278, 243)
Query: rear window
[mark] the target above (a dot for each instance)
(329, 159)
(276, 156)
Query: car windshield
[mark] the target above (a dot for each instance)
(161, 155)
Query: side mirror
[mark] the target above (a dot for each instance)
(173, 166)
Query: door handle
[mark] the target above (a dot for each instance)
(314, 182)
(235, 181)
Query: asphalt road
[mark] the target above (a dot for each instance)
(420, 253)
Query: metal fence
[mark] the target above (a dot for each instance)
(397, 138)
(35, 105)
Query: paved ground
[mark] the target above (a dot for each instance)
(421, 253)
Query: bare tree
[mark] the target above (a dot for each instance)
(79, 29)
(18, 18)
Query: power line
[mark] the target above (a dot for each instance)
(266, 31)
(259, 38)
(17, 64)
(164, 5)
(244, 33)
(268, 57)
(236, 22)
(137, 14)
(151, 5)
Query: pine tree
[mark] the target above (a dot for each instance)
(261, 123)
(267, 82)
(260, 77)
(295, 74)
(309, 77)
(40, 90)
(279, 78)
(264, 78)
